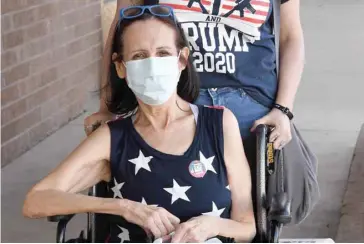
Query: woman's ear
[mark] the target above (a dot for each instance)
(183, 58)
(120, 67)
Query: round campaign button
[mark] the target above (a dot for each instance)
(197, 169)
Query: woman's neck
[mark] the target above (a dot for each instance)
(159, 117)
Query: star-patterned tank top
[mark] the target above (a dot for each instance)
(188, 185)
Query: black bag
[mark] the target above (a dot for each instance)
(298, 162)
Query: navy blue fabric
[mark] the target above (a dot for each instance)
(127, 144)
(232, 44)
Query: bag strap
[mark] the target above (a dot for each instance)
(276, 30)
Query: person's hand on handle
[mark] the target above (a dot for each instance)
(281, 133)
(154, 220)
(198, 229)
(93, 121)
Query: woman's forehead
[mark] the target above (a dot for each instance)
(149, 33)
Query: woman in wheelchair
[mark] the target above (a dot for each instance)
(176, 171)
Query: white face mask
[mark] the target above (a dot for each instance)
(153, 80)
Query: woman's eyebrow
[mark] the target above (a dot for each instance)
(137, 51)
(164, 47)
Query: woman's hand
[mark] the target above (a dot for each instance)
(96, 119)
(154, 220)
(281, 134)
(197, 229)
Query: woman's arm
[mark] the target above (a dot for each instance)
(241, 226)
(291, 53)
(106, 60)
(87, 165)
(57, 194)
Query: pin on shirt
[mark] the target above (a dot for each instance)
(197, 169)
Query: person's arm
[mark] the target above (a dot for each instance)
(57, 193)
(88, 164)
(291, 53)
(290, 72)
(106, 60)
(241, 227)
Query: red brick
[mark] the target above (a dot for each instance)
(78, 16)
(16, 5)
(56, 24)
(40, 63)
(20, 125)
(36, 81)
(51, 107)
(29, 85)
(6, 23)
(49, 65)
(13, 111)
(64, 36)
(16, 73)
(88, 26)
(47, 10)
(36, 47)
(65, 6)
(37, 30)
(14, 148)
(8, 58)
(13, 39)
(80, 60)
(92, 39)
(24, 18)
(11, 5)
(40, 132)
(9, 94)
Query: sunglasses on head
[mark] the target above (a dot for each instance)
(137, 11)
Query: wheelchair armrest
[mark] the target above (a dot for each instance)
(280, 208)
(62, 221)
(58, 218)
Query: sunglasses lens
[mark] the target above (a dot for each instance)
(161, 10)
(132, 12)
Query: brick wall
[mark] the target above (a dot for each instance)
(50, 57)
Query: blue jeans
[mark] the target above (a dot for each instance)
(245, 108)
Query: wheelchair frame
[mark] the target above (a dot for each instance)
(270, 208)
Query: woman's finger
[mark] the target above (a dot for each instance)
(167, 223)
(152, 226)
(274, 135)
(173, 219)
(180, 233)
(161, 225)
(279, 143)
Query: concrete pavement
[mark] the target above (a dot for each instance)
(329, 111)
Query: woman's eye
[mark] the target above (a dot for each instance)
(163, 54)
(139, 56)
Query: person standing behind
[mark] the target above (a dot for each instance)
(233, 48)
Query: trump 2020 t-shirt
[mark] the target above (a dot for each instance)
(232, 43)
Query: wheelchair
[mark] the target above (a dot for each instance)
(272, 210)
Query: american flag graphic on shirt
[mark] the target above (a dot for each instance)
(221, 32)
(245, 15)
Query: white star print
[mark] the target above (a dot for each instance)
(228, 187)
(141, 162)
(178, 192)
(207, 162)
(215, 211)
(124, 235)
(116, 189)
(145, 203)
